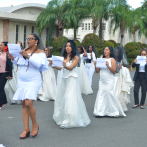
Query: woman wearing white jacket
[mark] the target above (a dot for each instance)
(91, 58)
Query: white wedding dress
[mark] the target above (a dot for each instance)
(69, 108)
(11, 85)
(123, 85)
(84, 80)
(48, 89)
(107, 104)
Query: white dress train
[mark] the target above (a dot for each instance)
(84, 81)
(29, 78)
(69, 107)
(107, 104)
(11, 85)
(123, 85)
(48, 89)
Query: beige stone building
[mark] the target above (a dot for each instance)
(17, 22)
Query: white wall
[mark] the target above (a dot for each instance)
(107, 34)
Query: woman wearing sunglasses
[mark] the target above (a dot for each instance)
(140, 79)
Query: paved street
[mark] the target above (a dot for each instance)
(102, 132)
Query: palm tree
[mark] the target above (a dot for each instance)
(136, 23)
(121, 17)
(52, 16)
(75, 13)
(99, 11)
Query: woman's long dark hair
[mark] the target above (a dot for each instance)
(93, 49)
(20, 44)
(112, 54)
(81, 48)
(120, 53)
(5, 43)
(49, 52)
(73, 52)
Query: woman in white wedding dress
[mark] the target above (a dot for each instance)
(48, 89)
(11, 85)
(69, 108)
(107, 104)
(123, 81)
(84, 81)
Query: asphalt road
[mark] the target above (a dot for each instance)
(102, 132)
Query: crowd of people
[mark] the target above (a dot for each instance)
(24, 80)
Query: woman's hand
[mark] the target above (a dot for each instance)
(10, 57)
(9, 78)
(64, 64)
(120, 66)
(51, 62)
(107, 63)
(24, 53)
(135, 61)
(91, 56)
(95, 63)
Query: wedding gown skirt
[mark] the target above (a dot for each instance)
(11, 85)
(84, 80)
(107, 104)
(123, 85)
(48, 89)
(69, 108)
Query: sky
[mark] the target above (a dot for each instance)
(7, 3)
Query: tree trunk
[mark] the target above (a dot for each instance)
(122, 37)
(134, 37)
(75, 34)
(94, 30)
(101, 29)
(60, 32)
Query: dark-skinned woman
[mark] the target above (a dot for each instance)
(140, 79)
(90, 62)
(107, 104)
(30, 81)
(5, 72)
(69, 109)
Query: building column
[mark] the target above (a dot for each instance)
(5, 29)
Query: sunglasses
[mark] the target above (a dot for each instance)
(143, 54)
(30, 39)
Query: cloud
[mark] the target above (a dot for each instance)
(135, 3)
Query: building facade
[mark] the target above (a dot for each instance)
(17, 22)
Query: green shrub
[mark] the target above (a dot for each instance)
(132, 51)
(117, 44)
(140, 45)
(131, 46)
(92, 39)
(108, 43)
(58, 43)
(145, 45)
(114, 42)
(77, 42)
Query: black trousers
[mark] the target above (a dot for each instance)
(140, 82)
(3, 80)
